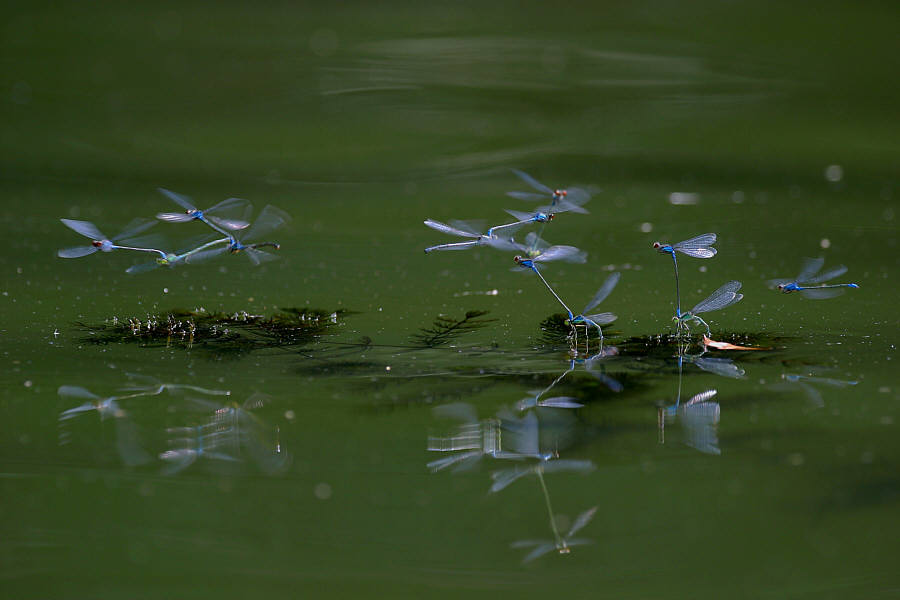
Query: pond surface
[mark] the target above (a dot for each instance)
(358, 416)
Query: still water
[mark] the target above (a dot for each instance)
(358, 416)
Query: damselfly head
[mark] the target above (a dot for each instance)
(657, 245)
(551, 216)
(782, 287)
(518, 259)
(96, 243)
(565, 550)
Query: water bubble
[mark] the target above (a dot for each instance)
(646, 227)
(825, 243)
(834, 173)
(322, 491)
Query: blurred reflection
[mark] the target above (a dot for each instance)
(228, 433)
(562, 544)
(806, 384)
(501, 438)
(223, 432)
(699, 416)
(517, 438)
(128, 444)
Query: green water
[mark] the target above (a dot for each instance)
(362, 120)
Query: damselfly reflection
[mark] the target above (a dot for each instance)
(808, 384)
(561, 543)
(225, 433)
(699, 416)
(593, 365)
(498, 438)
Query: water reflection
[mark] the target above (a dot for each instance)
(699, 416)
(530, 441)
(226, 432)
(562, 544)
(807, 383)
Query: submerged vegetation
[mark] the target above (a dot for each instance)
(223, 333)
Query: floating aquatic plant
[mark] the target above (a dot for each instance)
(223, 333)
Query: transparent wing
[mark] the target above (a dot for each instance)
(606, 380)
(560, 402)
(525, 433)
(443, 228)
(822, 293)
(504, 478)
(811, 266)
(539, 551)
(704, 240)
(698, 247)
(128, 444)
(503, 244)
(133, 229)
(182, 201)
(522, 216)
(258, 257)
(527, 196)
(232, 224)
(222, 213)
(269, 219)
(723, 367)
(462, 461)
(76, 252)
(602, 318)
(577, 197)
(565, 253)
(701, 397)
(74, 391)
(582, 520)
(722, 297)
(829, 274)
(142, 268)
(74, 412)
(698, 252)
(148, 242)
(604, 291)
(230, 205)
(774, 283)
(174, 217)
(85, 228)
(534, 242)
(204, 255)
(531, 181)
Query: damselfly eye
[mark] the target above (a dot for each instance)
(657, 245)
(518, 259)
(550, 217)
(96, 244)
(781, 287)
